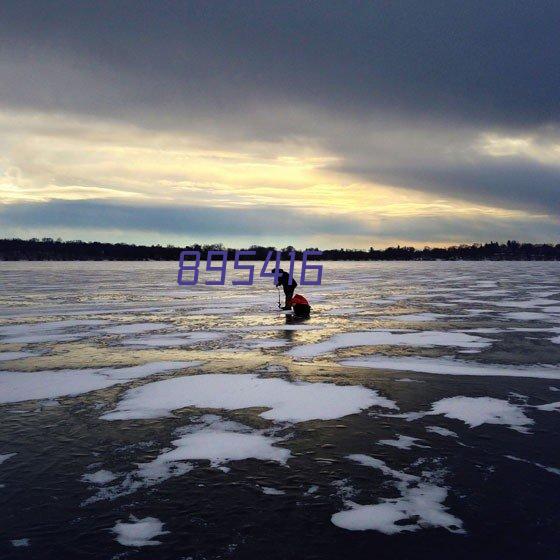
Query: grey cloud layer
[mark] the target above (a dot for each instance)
(265, 222)
(399, 91)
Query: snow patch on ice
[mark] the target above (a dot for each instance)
(552, 470)
(550, 407)
(475, 411)
(402, 442)
(378, 338)
(20, 542)
(419, 506)
(441, 431)
(272, 491)
(451, 366)
(6, 456)
(139, 532)
(23, 386)
(286, 401)
(99, 477)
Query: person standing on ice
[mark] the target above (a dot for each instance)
(289, 289)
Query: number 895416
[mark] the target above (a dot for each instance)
(217, 261)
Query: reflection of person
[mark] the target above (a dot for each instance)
(284, 281)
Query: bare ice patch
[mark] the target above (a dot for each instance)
(286, 401)
(139, 532)
(419, 506)
(451, 366)
(379, 338)
(16, 386)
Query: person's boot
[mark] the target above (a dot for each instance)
(286, 308)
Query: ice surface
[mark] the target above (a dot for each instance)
(20, 542)
(378, 338)
(139, 532)
(291, 402)
(450, 366)
(24, 386)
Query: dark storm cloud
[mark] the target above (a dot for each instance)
(265, 222)
(476, 61)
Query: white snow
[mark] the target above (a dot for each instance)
(99, 477)
(23, 386)
(441, 431)
(219, 446)
(6, 456)
(139, 532)
(450, 366)
(211, 439)
(378, 338)
(20, 542)
(419, 506)
(552, 470)
(286, 401)
(475, 411)
(550, 407)
(402, 442)
(368, 461)
(272, 491)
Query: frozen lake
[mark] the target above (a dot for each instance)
(415, 415)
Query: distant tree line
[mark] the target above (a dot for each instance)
(51, 249)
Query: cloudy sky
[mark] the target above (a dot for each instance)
(309, 123)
